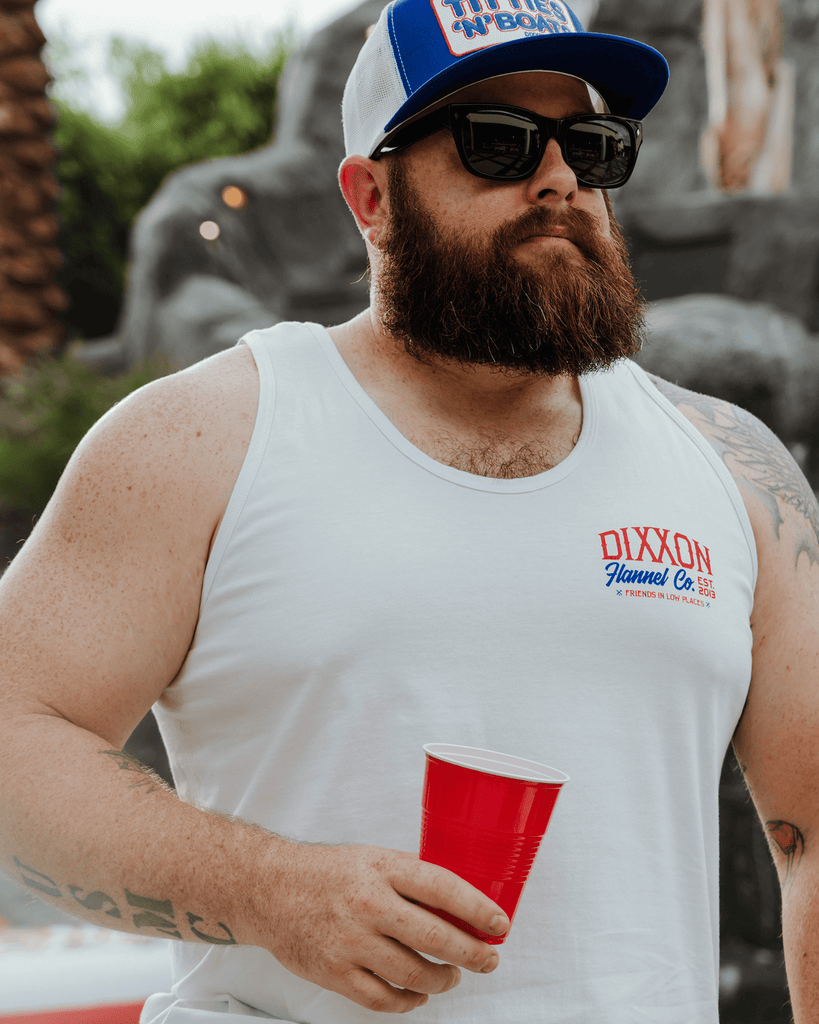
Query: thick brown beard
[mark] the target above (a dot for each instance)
(472, 302)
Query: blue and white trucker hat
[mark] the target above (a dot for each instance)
(423, 50)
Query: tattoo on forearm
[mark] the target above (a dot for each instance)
(145, 912)
(95, 901)
(788, 839)
(156, 914)
(145, 776)
(36, 880)
(218, 940)
(742, 439)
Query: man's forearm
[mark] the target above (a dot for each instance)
(84, 828)
(800, 932)
(92, 832)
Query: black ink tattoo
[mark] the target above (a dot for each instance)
(789, 841)
(215, 939)
(151, 913)
(741, 438)
(42, 883)
(157, 914)
(95, 901)
(146, 776)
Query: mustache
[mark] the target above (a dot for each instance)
(578, 226)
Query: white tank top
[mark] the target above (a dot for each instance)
(362, 599)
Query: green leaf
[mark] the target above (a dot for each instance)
(222, 103)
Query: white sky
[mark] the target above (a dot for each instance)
(171, 26)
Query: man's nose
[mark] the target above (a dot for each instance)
(553, 181)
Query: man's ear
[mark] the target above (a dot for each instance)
(363, 185)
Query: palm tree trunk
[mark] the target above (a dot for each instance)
(30, 299)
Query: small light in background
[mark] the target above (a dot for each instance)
(234, 197)
(209, 230)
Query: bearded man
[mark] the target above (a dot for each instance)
(466, 516)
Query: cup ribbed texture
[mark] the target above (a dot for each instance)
(482, 852)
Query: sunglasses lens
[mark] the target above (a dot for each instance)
(499, 144)
(503, 145)
(599, 152)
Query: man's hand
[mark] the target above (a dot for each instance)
(345, 918)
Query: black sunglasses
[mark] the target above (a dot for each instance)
(507, 143)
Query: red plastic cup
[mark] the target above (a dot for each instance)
(483, 817)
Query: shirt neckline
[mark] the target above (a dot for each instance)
(516, 485)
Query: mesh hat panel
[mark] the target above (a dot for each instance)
(373, 93)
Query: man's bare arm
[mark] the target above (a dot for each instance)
(132, 911)
(777, 739)
(97, 614)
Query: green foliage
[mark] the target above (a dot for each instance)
(99, 198)
(221, 104)
(44, 413)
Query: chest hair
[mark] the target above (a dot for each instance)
(502, 457)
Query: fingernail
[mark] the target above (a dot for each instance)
(498, 924)
(491, 963)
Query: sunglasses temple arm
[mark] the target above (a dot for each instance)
(413, 133)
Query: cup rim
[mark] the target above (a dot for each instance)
(495, 763)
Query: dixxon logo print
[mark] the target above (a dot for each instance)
(659, 563)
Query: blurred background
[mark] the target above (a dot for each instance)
(167, 182)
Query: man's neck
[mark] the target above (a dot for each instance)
(475, 418)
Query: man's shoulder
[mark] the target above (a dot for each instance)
(216, 397)
(772, 485)
(706, 412)
(182, 437)
(227, 377)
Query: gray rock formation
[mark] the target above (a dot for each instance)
(669, 159)
(686, 238)
(748, 353)
(756, 248)
(291, 252)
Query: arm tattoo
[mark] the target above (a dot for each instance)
(157, 915)
(769, 467)
(144, 776)
(789, 841)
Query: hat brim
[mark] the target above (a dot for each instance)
(629, 75)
